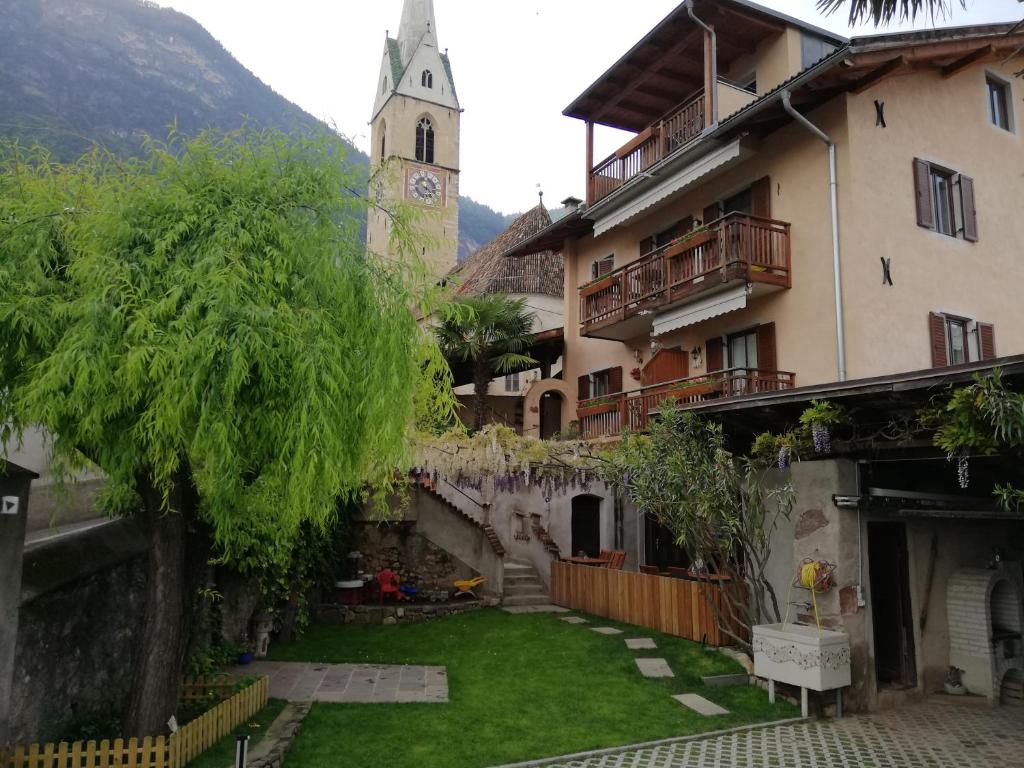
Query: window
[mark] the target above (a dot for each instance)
(743, 350)
(425, 141)
(956, 340)
(383, 138)
(602, 267)
(427, 79)
(384, 86)
(945, 201)
(600, 383)
(998, 102)
(749, 83)
(512, 382)
(813, 49)
(942, 199)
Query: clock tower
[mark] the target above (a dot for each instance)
(414, 137)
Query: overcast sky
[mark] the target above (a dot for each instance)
(516, 65)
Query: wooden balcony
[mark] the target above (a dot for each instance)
(656, 142)
(611, 415)
(738, 248)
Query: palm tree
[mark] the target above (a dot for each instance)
(492, 333)
(884, 11)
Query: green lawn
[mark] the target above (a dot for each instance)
(222, 753)
(521, 687)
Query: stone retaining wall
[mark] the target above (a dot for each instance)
(396, 614)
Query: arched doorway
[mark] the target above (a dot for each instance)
(550, 414)
(586, 525)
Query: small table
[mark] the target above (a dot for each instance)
(351, 592)
(595, 561)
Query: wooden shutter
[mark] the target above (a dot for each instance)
(923, 194)
(646, 245)
(761, 198)
(666, 365)
(604, 266)
(614, 380)
(970, 213)
(583, 388)
(715, 354)
(711, 213)
(937, 339)
(766, 356)
(987, 341)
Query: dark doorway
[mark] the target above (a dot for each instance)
(895, 657)
(660, 547)
(550, 414)
(586, 525)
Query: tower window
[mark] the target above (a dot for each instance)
(384, 86)
(383, 139)
(425, 141)
(427, 79)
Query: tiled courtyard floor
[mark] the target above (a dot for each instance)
(937, 734)
(352, 683)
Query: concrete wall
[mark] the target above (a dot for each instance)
(80, 624)
(14, 484)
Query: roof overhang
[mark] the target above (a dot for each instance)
(657, 73)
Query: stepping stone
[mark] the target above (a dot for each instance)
(640, 643)
(606, 630)
(654, 668)
(722, 681)
(575, 620)
(699, 704)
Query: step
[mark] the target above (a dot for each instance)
(525, 600)
(522, 578)
(525, 589)
(512, 565)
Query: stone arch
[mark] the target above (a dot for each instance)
(531, 404)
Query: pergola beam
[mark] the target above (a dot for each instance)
(872, 77)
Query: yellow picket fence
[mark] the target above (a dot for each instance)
(174, 751)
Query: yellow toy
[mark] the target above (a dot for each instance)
(466, 586)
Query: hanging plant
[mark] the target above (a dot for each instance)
(820, 418)
(963, 476)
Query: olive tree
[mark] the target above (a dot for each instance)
(205, 325)
(722, 509)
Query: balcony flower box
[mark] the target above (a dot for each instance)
(597, 407)
(689, 241)
(694, 388)
(815, 659)
(598, 285)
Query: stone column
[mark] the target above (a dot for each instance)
(14, 485)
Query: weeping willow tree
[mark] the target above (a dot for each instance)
(206, 326)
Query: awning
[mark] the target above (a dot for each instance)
(691, 314)
(672, 181)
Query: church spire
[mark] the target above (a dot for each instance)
(417, 24)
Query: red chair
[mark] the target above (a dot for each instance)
(388, 581)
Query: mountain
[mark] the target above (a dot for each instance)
(74, 72)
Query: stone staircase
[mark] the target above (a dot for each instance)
(545, 538)
(490, 534)
(523, 585)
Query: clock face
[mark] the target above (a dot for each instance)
(425, 187)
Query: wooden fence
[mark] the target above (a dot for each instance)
(173, 751)
(678, 607)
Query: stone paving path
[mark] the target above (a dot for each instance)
(640, 643)
(654, 668)
(937, 734)
(352, 683)
(606, 630)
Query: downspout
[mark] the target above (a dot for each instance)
(714, 61)
(834, 193)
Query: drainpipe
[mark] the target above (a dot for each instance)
(834, 192)
(714, 61)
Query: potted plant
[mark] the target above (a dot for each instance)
(599, 405)
(246, 652)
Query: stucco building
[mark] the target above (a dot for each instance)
(796, 208)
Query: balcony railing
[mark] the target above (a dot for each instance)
(651, 145)
(736, 247)
(611, 415)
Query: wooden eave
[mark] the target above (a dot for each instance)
(667, 65)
